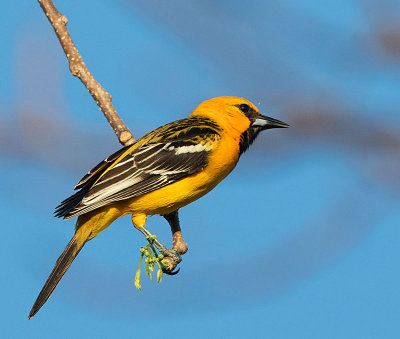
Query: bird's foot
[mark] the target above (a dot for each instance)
(172, 257)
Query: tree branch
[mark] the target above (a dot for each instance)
(79, 69)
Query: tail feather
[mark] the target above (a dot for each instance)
(61, 266)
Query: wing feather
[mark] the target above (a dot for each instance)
(95, 173)
(146, 168)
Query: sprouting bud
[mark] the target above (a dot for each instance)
(159, 275)
(137, 280)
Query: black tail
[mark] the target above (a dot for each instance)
(61, 266)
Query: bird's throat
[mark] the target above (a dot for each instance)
(247, 138)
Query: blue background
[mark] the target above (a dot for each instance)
(300, 241)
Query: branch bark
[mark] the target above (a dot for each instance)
(79, 69)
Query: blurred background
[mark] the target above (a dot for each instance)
(300, 241)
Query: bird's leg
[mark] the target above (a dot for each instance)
(171, 257)
(177, 240)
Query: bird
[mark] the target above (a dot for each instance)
(160, 173)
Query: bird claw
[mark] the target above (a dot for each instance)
(171, 259)
(173, 272)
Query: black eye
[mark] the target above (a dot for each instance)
(244, 108)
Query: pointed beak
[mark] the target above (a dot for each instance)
(266, 123)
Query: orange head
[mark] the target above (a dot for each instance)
(238, 117)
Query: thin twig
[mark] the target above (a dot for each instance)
(79, 69)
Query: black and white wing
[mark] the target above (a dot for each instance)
(147, 168)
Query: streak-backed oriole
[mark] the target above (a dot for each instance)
(163, 171)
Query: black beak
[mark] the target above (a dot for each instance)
(266, 122)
